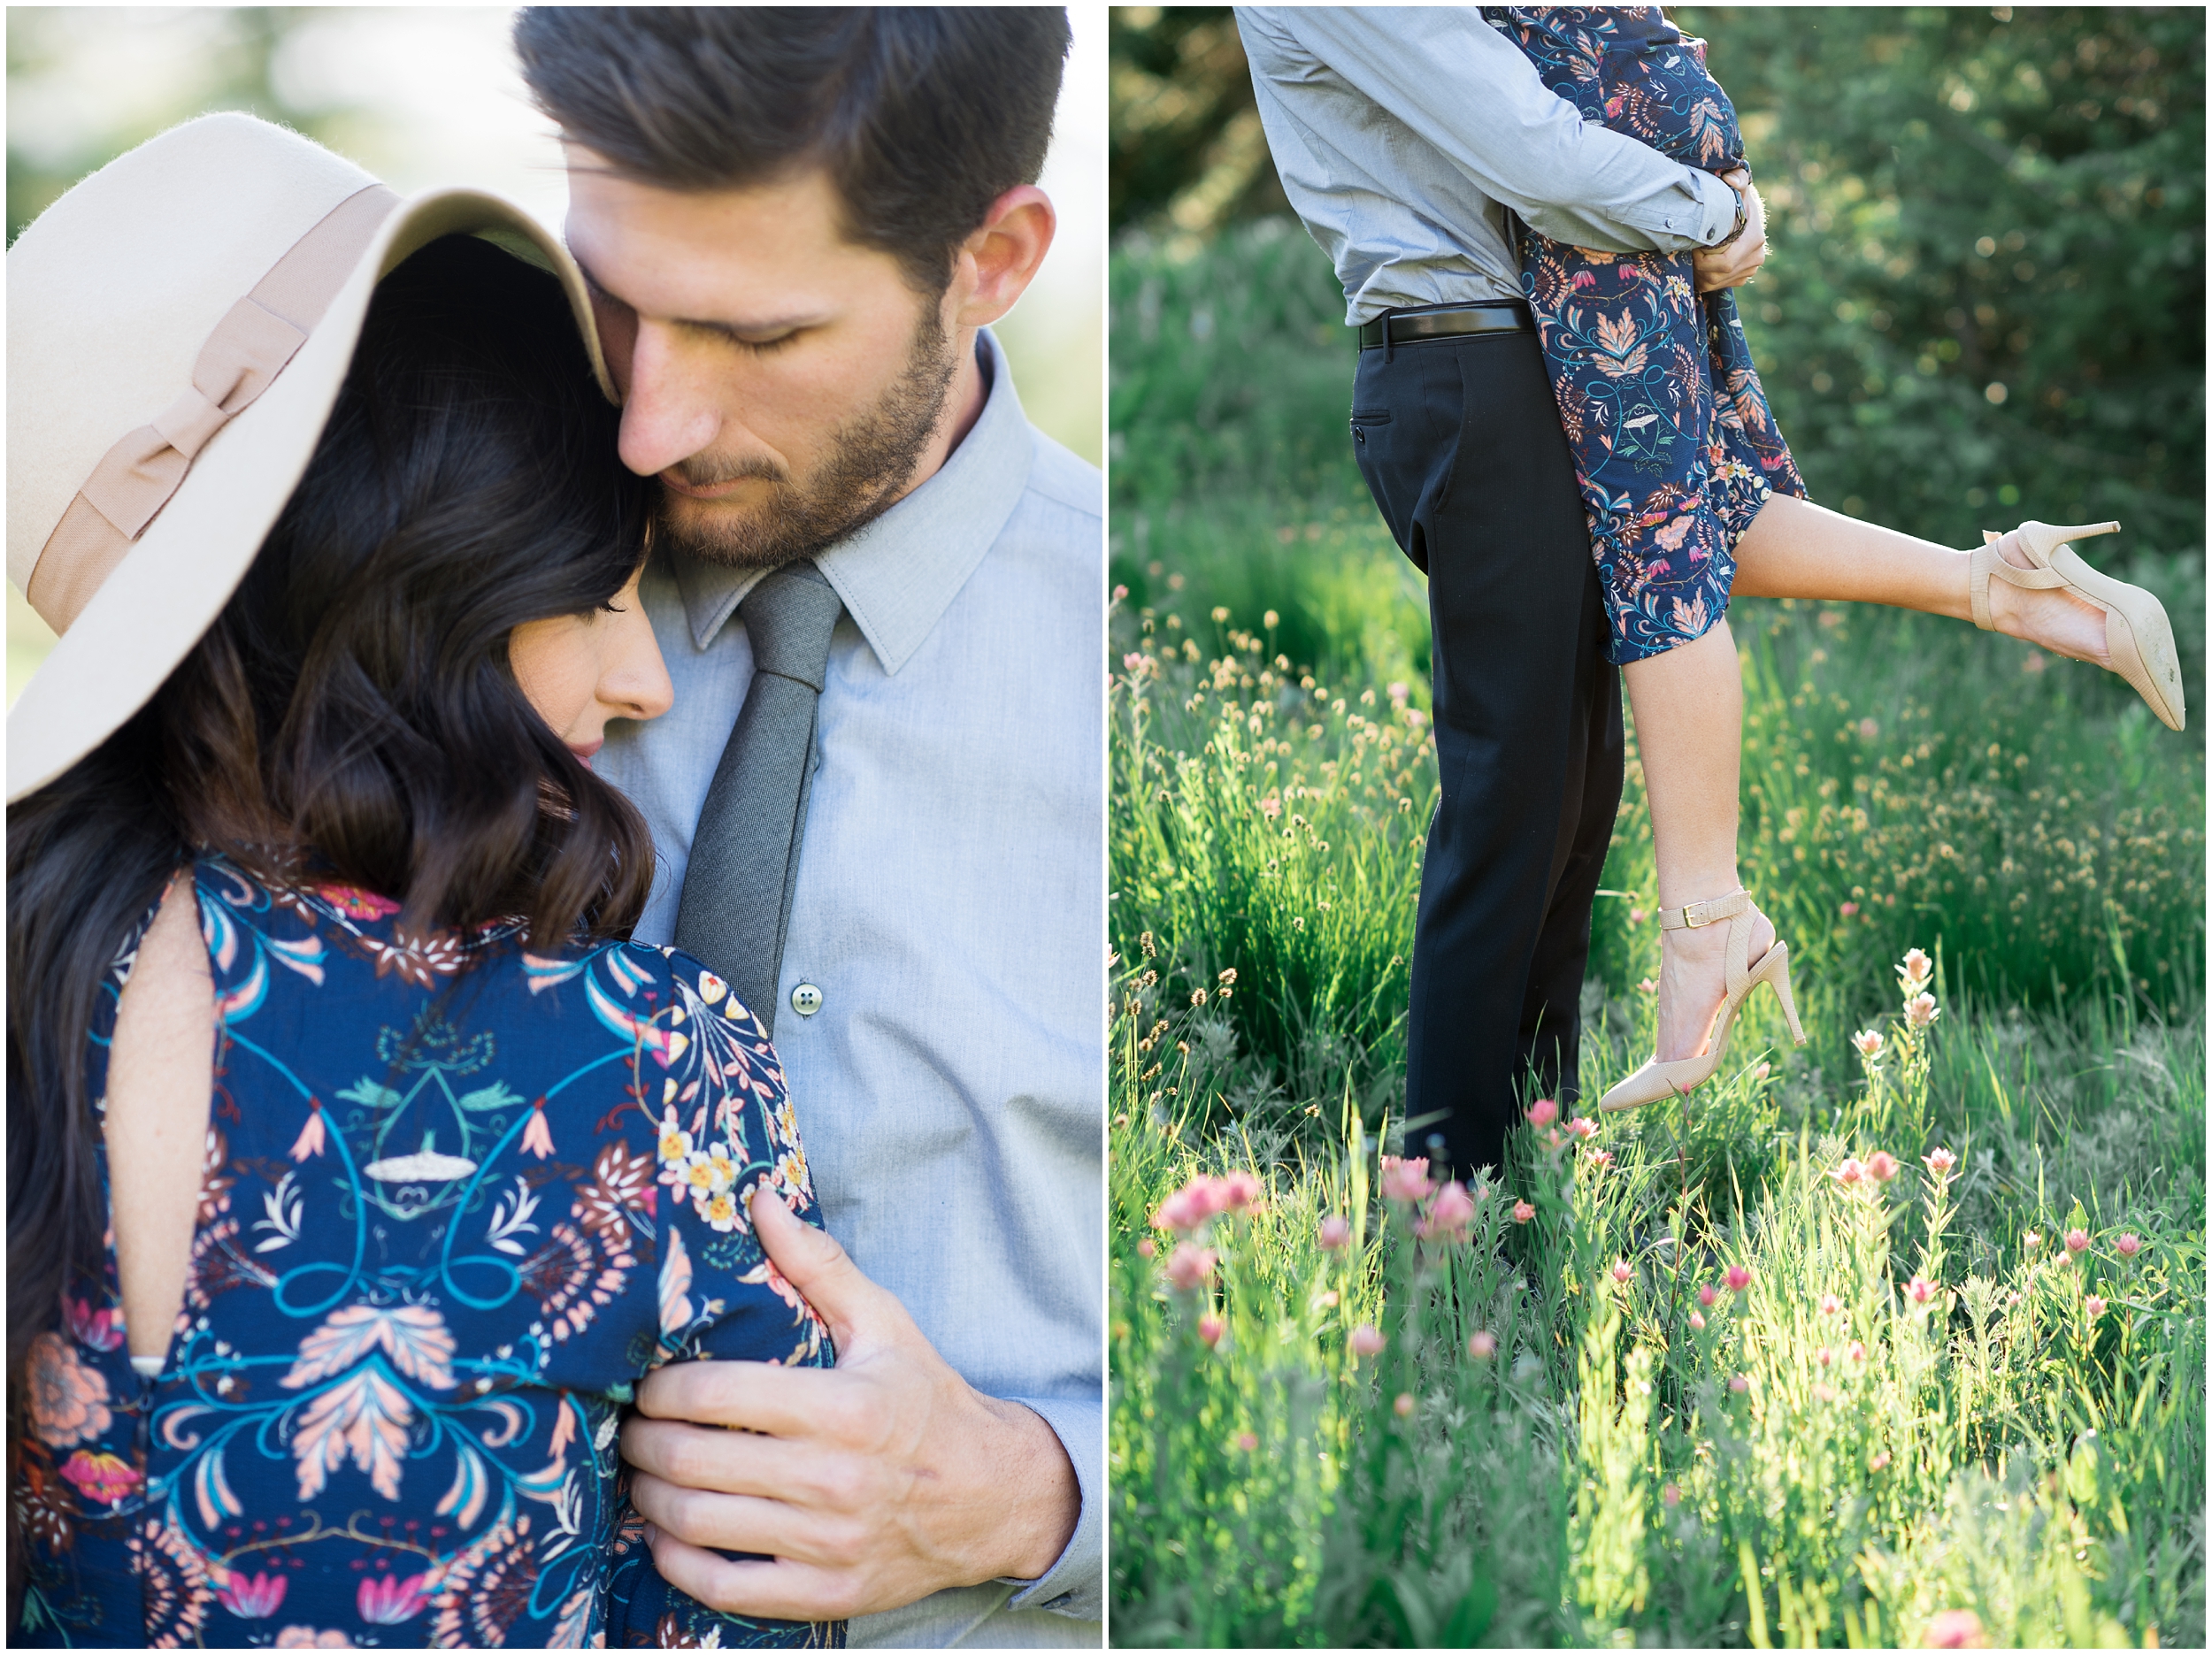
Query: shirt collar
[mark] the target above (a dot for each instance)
(898, 572)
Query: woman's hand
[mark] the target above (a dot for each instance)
(1737, 263)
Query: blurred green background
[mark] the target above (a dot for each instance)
(423, 95)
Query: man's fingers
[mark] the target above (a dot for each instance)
(782, 1591)
(739, 1463)
(792, 1402)
(812, 1261)
(746, 1522)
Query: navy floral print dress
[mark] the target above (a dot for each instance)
(457, 1199)
(1674, 444)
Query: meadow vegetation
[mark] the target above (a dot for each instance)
(1898, 1338)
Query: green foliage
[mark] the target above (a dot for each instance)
(1968, 205)
(1593, 1476)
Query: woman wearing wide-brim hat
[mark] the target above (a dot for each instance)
(356, 1171)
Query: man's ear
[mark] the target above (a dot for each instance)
(997, 263)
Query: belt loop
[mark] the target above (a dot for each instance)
(1388, 343)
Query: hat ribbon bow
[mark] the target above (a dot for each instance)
(241, 358)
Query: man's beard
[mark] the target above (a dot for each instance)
(871, 459)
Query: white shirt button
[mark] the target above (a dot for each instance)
(806, 999)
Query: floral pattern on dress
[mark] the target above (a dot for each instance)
(1674, 446)
(457, 1199)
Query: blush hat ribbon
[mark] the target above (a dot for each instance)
(250, 347)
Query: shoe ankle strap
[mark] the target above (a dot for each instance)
(1694, 914)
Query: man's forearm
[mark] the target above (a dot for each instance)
(1471, 93)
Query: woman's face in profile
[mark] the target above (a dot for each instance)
(579, 671)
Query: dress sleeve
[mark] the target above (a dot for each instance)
(723, 1126)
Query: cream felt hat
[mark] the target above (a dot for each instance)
(178, 326)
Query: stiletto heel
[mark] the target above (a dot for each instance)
(1655, 1080)
(2137, 633)
(1779, 980)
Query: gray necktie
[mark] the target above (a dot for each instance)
(736, 901)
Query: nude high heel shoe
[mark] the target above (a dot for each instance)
(2136, 634)
(1657, 1080)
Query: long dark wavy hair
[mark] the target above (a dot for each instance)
(353, 708)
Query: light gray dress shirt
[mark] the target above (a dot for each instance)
(1402, 133)
(950, 908)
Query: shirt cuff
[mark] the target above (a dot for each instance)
(1074, 1586)
(1719, 202)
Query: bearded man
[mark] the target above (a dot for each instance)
(878, 802)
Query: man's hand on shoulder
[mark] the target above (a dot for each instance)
(871, 1484)
(1735, 263)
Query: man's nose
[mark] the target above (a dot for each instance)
(664, 421)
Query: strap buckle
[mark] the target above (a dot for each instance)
(1694, 914)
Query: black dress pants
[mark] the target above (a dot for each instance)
(1460, 443)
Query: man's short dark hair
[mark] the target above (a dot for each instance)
(922, 116)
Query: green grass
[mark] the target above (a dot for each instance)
(1907, 784)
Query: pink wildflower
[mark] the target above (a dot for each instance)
(1210, 1328)
(2077, 1241)
(1848, 909)
(1406, 1180)
(1582, 1126)
(1739, 1277)
(1452, 1210)
(1600, 1159)
(1247, 1441)
(2031, 1239)
(1366, 1341)
(1829, 1304)
(1670, 1496)
(1916, 971)
(1848, 1172)
(1955, 1630)
(2129, 1244)
(1881, 1165)
(1821, 1393)
(1763, 1071)
(1236, 1190)
(1921, 1011)
(1624, 1272)
(1941, 1161)
(1869, 1043)
(1740, 1385)
(1523, 1212)
(2094, 1305)
(1336, 1233)
(1147, 1249)
(1404, 1405)
(1707, 1294)
(1879, 1461)
(1188, 1266)
(1856, 1350)
(1482, 1344)
(1697, 1320)
(1330, 1299)
(1543, 1112)
(1920, 1290)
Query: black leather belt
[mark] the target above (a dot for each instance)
(1445, 321)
